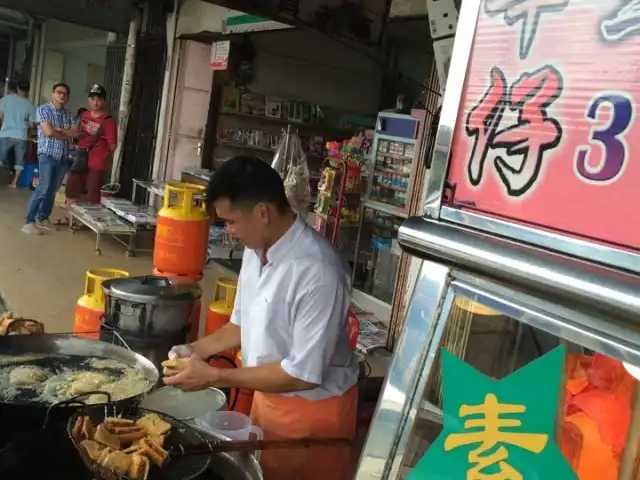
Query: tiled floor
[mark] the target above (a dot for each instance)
(43, 276)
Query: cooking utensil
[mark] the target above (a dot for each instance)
(20, 326)
(184, 468)
(28, 440)
(221, 446)
(76, 351)
(185, 406)
(149, 305)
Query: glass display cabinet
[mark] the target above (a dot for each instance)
(499, 305)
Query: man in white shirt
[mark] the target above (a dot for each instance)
(289, 318)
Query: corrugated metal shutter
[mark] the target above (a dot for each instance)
(113, 76)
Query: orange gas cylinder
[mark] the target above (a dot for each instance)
(220, 308)
(244, 398)
(219, 313)
(182, 233)
(90, 306)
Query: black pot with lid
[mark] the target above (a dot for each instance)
(149, 305)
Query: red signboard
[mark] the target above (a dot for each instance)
(547, 129)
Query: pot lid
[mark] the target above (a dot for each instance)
(150, 288)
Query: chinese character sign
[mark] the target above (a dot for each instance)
(498, 430)
(547, 121)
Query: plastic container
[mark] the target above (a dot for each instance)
(27, 175)
(182, 233)
(233, 425)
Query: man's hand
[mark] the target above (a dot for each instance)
(191, 374)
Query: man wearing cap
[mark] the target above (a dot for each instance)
(98, 135)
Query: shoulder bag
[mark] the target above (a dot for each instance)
(80, 157)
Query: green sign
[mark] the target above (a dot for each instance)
(244, 23)
(498, 429)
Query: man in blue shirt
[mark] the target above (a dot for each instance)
(55, 129)
(18, 114)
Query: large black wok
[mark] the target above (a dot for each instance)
(26, 423)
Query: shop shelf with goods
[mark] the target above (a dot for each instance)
(254, 124)
(394, 172)
(338, 204)
(393, 163)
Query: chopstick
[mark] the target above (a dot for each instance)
(209, 447)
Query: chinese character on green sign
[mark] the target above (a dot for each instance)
(498, 429)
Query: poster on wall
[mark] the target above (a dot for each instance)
(547, 129)
(220, 55)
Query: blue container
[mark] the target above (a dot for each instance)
(27, 174)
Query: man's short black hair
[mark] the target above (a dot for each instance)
(24, 85)
(246, 181)
(12, 86)
(63, 85)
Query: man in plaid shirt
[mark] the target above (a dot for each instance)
(55, 130)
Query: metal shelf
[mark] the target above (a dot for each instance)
(386, 208)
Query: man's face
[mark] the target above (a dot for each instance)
(96, 103)
(249, 225)
(60, 96)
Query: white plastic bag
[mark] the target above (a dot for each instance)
(290, 162)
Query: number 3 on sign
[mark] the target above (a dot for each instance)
(610, 137)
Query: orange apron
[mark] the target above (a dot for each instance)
(295, 417)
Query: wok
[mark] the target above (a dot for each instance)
(29, 417)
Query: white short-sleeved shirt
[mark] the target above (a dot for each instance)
(293, 310)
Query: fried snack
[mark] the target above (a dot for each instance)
(154, 425)
(5, 320)
(125, 446)
(139, 468)
(155, 453)
(105, 453)
(93, 449)
(158, 440)
(118, 462)
(136, 448)
(87, 429)
(76, 430)
(128, 435)
(106, 438)
(118, 422)
(171, 364)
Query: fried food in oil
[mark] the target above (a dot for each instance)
(124, 446)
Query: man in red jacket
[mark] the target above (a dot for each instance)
(98, 134)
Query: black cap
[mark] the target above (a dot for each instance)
(98, 91)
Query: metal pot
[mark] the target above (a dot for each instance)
(149, 305)
(185, 406)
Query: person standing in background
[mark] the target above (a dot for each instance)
(99, 136)
(55, 130)
(18, 115)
